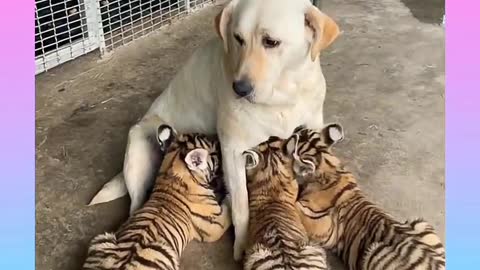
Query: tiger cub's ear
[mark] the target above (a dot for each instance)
(196, 159)
(332, 133)
(165, 136)
(299, 128)
(251, 159)
(291, 145)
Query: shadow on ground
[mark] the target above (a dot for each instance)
(427, 11)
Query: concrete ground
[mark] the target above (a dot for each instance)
(385, 78)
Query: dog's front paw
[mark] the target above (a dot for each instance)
(240, 222)
(238, 250)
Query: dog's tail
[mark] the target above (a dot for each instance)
(113, 189)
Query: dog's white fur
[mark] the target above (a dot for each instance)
(289, 90)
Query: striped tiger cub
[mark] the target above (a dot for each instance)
(277, 238)
(335, 212)
(182, 207)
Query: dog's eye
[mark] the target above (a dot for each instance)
(239, 39)
(268, 42)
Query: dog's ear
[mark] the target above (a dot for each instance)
(324, 28)
(221, 22)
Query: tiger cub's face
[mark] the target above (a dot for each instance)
(314, 159)
(269, 169)
(196, 153)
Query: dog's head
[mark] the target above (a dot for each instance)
(269, 42)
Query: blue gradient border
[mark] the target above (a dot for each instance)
(17, 135)
(462, 134)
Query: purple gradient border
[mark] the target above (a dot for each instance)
(17, 135)
(17, 116)
(462, 133)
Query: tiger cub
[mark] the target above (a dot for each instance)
(277, 239)
(182, 207)
(335, 212)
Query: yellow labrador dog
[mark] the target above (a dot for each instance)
(261, 77)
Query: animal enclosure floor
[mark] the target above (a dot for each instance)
(385, 84)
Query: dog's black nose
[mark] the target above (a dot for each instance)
(242, 88)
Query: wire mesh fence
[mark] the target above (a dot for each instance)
(123, 21)
(66, 29)
(62, 32)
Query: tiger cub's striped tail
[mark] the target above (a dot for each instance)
(420, 248)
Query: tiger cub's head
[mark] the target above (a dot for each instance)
(269, 169)
(312, 153)
(192, 154)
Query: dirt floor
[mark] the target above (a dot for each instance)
(385, 78)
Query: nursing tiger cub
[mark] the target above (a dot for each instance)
(277, 239)
(335, 212)
(182, 207)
